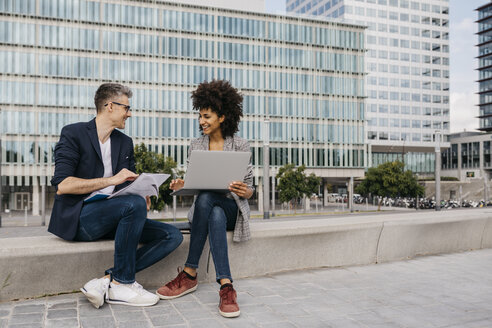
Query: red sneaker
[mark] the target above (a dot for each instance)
(179, 286)
(228, 305)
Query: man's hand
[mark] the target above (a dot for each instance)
(176, 184)
(241, 189)
(122, 176)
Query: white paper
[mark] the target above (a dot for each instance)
(147, 184)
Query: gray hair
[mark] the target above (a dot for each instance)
(110, 90)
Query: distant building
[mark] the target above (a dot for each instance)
(485, 66)
(468, 157)
(306, 75)
(408, 73)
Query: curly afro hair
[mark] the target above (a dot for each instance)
(222, 99)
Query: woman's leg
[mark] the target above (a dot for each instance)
(221, 218)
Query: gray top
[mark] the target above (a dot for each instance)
(241, 231)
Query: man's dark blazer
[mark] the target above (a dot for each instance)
(78, 154)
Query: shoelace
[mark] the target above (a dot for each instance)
(228, 295)
(176, 282)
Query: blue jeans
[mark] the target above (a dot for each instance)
(214, 214)
(124, 219)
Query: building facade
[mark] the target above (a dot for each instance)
(485, 66)
(305, 75)
(408, 73)
(468, 157)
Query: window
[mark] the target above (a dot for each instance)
(416, 124)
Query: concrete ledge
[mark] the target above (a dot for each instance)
(36, 266)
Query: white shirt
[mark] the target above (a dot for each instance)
(108, 168)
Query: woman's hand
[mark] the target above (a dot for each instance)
(241, 189)
(176, 184)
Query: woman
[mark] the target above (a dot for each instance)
(212, 214)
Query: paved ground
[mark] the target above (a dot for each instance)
(437, 291)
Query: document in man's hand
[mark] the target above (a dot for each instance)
(147, 184)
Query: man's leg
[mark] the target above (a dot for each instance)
(122, 218)
(159, 240)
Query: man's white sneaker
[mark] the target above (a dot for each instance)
(95, 291)
(130, 294)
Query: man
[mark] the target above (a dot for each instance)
(93, 159)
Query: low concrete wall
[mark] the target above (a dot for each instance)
(36, 266)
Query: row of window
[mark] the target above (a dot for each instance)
(405, 56)
(168, 100)
(21, 122)
(406, 83)
(187, 21)
(404, 123)
(407, 110)
(407, 70)
(34, 152)
(406, 96)
(416, 162)
(405, 4)
(399, 136)
(398, 43)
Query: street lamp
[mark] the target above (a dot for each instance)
(266, 169)
(437, 171)
(1, 183)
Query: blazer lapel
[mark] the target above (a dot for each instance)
(92, 131)
(115, 150)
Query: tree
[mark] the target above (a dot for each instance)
(390, 180)
(293, 183)
(151, 162)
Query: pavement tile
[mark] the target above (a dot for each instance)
(283, 324)
(130, 316)
(116, 308)
(166, 320)
(3, 323)
(159, 311)
(26, 318)
(26, 325)
(209, 323)
(63, 313)
(135, 324)
(97, 322)
(87, 310)
(207, 297)
(272, 299)
(311, 322)
(4, 313)
(37, 308)
(252, 308)
(267, 317)
(198, 313)
(288, 310)
(63, 305)
(62, 323)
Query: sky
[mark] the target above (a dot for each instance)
(463, 65)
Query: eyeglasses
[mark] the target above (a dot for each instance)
(127, 107)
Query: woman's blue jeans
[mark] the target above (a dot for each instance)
(124, 219)
(214, 214)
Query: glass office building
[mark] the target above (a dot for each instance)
(305, 75)
(485, 66)
(408, 73)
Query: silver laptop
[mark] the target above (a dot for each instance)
(213, 171)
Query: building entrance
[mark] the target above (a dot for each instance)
(22, 200)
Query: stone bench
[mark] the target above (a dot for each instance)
(36, 266)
